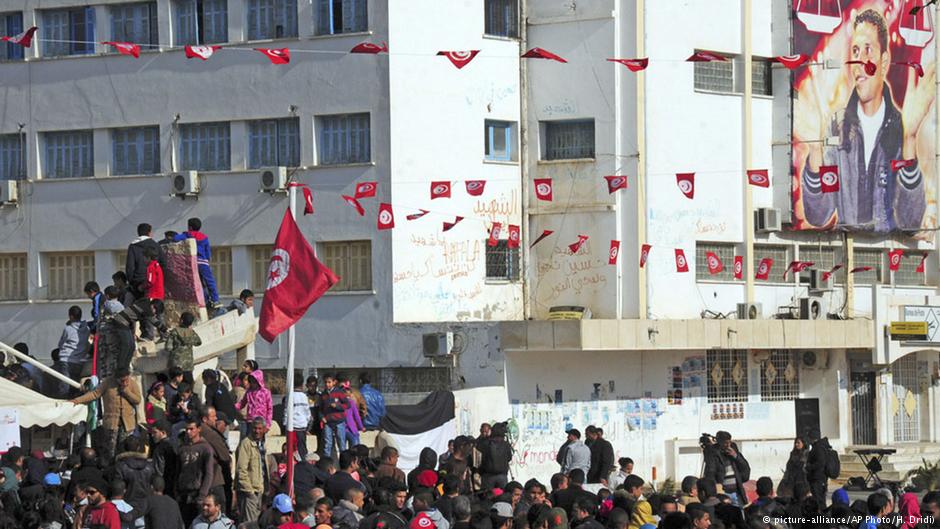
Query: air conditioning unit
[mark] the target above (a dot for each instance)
(273, 179)
(749, 311)
(815, 280)
(767, 220)
(814, 308)
(9, 192)
(438, 344)
(185, 183)
(814, 359)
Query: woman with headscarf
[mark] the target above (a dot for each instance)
(155, 408)
(796, 468)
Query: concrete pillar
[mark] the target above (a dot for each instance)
(244, 353)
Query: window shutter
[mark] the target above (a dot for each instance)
(324, 20)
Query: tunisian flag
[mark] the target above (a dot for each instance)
(296, 279)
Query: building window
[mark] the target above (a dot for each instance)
(344, 139)
(502, 262)
(260, 260)
(780, 255)
(120, 259)
(907, 274)
(717, 76)
(761, 80)
(12, 24)
(221, 264)
(500, 141)
(68, 273)
(272, 19)
(201, 22)
(342, 16)
(13, 277)
(135, 23)
(780, 376)
(502, 18)
(822, 257)
(725, 253)
(871, 257)
(68, 32)
(727, 375)
(274, 142)
(569, 140)
(69, 154)
(205, 147)
(12, 161)
(352, 262)
(728, 76)
(136, 151)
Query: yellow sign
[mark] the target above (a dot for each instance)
(908, 328)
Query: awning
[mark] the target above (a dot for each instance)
(36, 409)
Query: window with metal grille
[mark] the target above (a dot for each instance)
(68, 273)
(780, 376)
(274, 142)
(352, 262)
(502, 18)
(221, 264)
(761, 80)
(569, 139)
(260, 260)
(201, 22)
(781, 256)
(870, 257)
(907, 273)
(136, 151)
(135, 23)
(69, 154)
(341, 16)
(500, 141)
(715, 76)
(68, 32)
(12, 161)
(12, 24)
(724, 251)
(272, 19)
(205, 147)
(13, 282)
(502, 262)
(822, 257)
(344, 139)
(727, 375)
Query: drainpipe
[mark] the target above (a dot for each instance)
(642, 304)
(746, 56)
(524, 157)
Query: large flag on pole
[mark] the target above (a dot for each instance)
(296, 279)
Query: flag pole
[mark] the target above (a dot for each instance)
(289, 407)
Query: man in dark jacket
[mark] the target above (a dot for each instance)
(565, 498)
(496, 454)
(602, 457)
(88, 470)
(136, 266)
(136, 471)
(726, 465)
(342, 480)
(222, 482)
(583, 514)
(427, 460)
(197, 471)
(216, 395)
(305, 475)
(161, 512)
(816, 469)
(165, 460)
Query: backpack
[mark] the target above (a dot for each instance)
(496, 457)
(833, 465)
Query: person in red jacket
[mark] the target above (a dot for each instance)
(99, 513)
(153, 291)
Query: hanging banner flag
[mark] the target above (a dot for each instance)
(829, 178)
(24, 39)
(494, 234)
(386, 218)
(758, 177)
(763, 270)
(366, 189)
(706, 56)
(545, 233)
(858, 269)
(827, 275)
(125, 48)
(682, 265)
(201, 52)
(644, 254)
(922, 266)
(686, 183)
(796, 267)
(897, 165)
(615, 183)
(916, 66)
(515, 236)
(416, 216)
(614, 252)
(739, 267)
(870, 67)
(894, 259)
(459, 58)
(635, 65)
(792, 62)
(308, 200)
(575, 246)
(449, 225)
(276, 55)
(440, 190)
(475, 187)
(543, 189)
(368, 47)
(715, 266)
(355, 204)
(539, 53)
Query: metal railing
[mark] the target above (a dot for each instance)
(7, 350)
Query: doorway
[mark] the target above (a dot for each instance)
(862, 394)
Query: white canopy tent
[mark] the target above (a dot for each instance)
(38, 410)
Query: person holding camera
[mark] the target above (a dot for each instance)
(496, 453)
(727, 466)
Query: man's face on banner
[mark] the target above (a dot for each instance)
(866, 47)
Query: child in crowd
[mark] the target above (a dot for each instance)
(203, 254)
(153, 291)
(179, 345)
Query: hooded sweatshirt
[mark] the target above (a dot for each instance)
(257, 403)
(347, 516)
(439, 521)
(427, 460)
(910, 511)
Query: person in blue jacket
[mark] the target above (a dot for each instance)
(375, 403)
(203, 254)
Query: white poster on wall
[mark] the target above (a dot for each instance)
(9, 429)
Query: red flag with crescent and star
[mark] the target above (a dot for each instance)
(296, 280)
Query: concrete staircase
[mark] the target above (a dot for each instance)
(895, 466)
